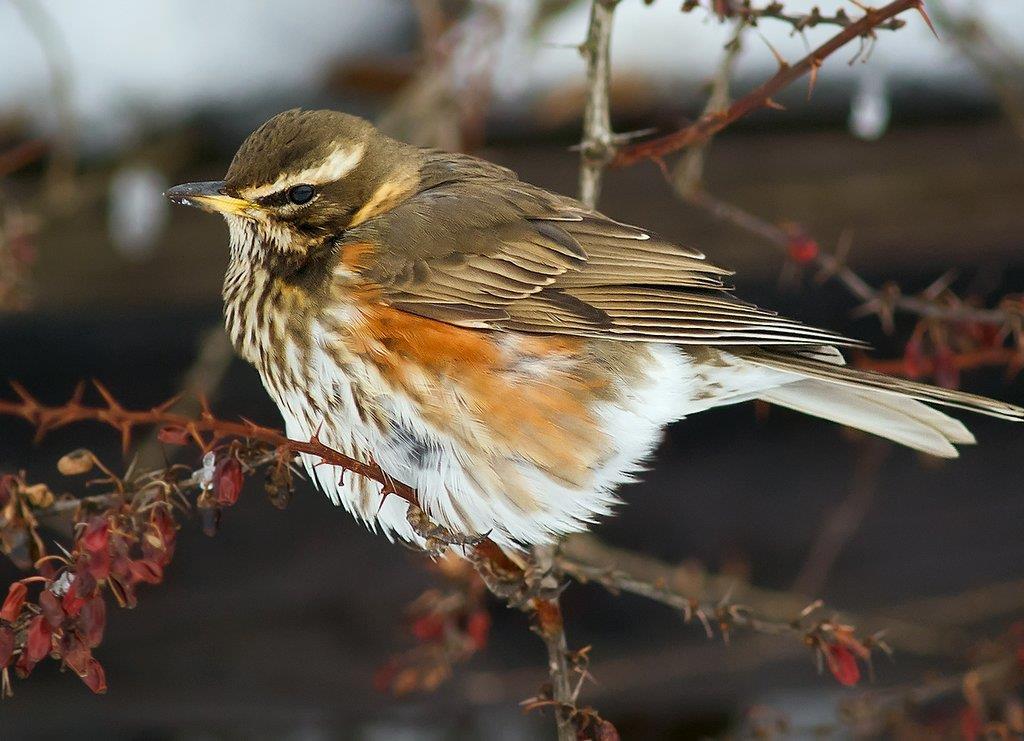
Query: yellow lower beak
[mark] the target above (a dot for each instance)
(209, 196)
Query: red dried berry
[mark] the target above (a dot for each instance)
(72, 602)
(49, 603)
(96, 536)
(95, 542)
(802, 249)
(146, 571)
(428, 628)
(6, 646)
(85, 582)
(843, 665)
(38, 640)
(92, 620)
(227, 481)
(971, 725)
(75, 654)
(173, 435)
(605, 731)
(24, 665)
(14, 602)
(478, 628)
(95, 678)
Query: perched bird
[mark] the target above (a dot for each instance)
(508, 352)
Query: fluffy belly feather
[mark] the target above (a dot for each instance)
(525, 438)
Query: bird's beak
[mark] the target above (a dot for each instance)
(209, 196)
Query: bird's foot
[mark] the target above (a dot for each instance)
(438, 538)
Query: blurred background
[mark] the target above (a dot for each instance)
(909, 159)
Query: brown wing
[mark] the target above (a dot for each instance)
(477, 247)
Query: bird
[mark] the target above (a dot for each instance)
(511, 354)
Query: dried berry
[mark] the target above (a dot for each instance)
(13, 603)
(76, 462)
(843, 665)
(227, 481)
(173, 435)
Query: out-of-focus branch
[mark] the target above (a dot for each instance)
(688, 173)
(62, 150)
(762, 97)
(841, 524)
(1004, 72)
(882, 301)
(597, 148)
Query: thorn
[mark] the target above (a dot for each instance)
(815, 66)
(24, 395)
(940, 284)
(107, 396)
(314, 439)
(919, 6)
(780, 60)
(204, 406)
(126, 437)
(163, 408)
(77, 395)
(773, 104)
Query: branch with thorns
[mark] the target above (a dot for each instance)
(833, 643)
(763, 96)
(750, 13)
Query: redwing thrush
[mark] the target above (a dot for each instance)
(506, 351)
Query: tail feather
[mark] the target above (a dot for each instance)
(882, 405)
(907, 422)
(838, 375)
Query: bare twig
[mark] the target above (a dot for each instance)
(761, 97)
(688, 173)
(1003, 71)
(841, 524)
(62, 155)
(597, 147)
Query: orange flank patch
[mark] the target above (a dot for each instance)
(544, 416)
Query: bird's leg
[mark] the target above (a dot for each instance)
(438, 537)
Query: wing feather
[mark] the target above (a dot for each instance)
(477, 247)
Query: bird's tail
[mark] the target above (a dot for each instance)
(882, 405)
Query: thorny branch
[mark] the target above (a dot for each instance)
(206, 430)
(762, 97)
(835, 644)
(749, 13)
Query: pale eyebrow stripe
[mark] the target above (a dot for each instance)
(335, 166)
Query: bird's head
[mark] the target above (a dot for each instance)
(303, 178)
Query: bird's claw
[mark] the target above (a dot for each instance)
(438, 538)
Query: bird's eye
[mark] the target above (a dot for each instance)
(300, 194)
